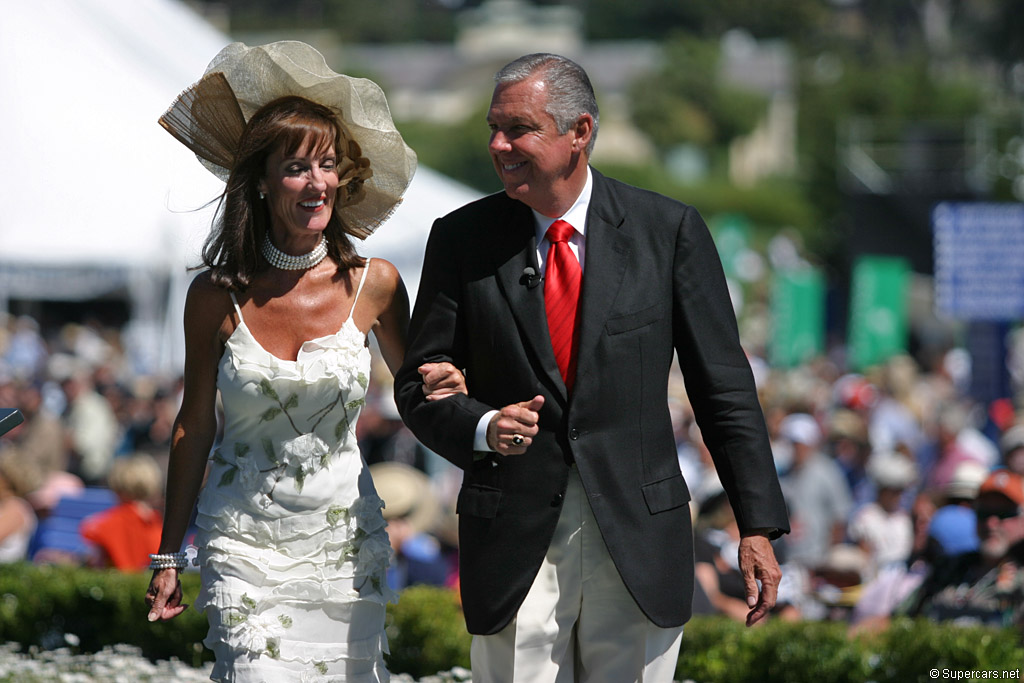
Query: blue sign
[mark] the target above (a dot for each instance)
(979, 260)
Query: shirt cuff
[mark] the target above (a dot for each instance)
(480, 440)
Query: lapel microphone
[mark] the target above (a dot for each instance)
(530, 277)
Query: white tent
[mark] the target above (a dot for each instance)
(97, 198)
(402, 239)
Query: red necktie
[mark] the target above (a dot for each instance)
(561, 298)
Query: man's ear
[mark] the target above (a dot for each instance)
(583, 129)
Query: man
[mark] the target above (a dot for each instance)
(576, 558)
(816, 490)
(985, 586)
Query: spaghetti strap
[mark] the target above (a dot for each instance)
(366, 269)
(238, 309)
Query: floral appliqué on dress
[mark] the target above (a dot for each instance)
(296, 458)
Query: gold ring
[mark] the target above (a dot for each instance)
(517, 440)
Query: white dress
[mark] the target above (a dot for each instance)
(292, 546)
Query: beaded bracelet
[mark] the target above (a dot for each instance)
(168, 561)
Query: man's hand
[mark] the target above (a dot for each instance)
(758, 563)
(441, 380)
(511, 430)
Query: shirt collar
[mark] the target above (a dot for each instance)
(576, 215)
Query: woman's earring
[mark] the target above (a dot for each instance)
(262, 196)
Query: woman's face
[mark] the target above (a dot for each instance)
(300, 190)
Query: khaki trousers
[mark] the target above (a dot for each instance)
(578, 623)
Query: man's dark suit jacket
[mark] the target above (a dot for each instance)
(652, 283)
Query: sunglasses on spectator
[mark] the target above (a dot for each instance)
(1000, 512)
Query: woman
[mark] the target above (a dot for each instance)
(291, 542)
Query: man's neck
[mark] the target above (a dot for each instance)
(566, 194)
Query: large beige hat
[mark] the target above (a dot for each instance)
(406, 493)
(209, 119)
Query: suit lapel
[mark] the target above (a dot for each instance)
(607, 255)
(518, 252)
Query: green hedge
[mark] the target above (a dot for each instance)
(60, 606)
(719, 651)
(53, 607)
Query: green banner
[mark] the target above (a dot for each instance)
(731, 233)
(878, 310)
(798, 314)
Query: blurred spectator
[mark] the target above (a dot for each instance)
(127, 533)
(954, 526)
(849, 446)
(1011, 449)
(40, 437)
(836, 581)
(696, 464)
(26, 353)
(880, 596)
(816, 492)
(892, 420)
(55, 485)
(716, 548)
(40, 440)
(87, 342)
(986, 586)
(18, 477)
(882, 528)
(412, 512)
(91, 426)
(957, 440)
(383, 436)
(683, 426)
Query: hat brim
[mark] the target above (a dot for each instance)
(262, 73)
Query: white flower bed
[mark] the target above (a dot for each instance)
(115, 664)
(125, 664)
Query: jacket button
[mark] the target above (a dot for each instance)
(556, 500)
(573, 434)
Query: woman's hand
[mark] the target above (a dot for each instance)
(164, 595)
(441, 380)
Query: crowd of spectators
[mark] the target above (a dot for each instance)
(905, 494)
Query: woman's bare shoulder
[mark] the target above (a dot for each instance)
(207, 304)
(382, 270)
(386, 280)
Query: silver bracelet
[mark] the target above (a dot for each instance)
(168, 561)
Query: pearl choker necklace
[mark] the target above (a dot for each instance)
(279, 259)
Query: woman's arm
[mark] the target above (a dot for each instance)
(390, 303)
(195, 427)
(391, 329)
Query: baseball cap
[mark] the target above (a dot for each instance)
(1005, 482)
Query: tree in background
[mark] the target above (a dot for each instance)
(687, 102)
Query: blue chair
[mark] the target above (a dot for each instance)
(57, 535)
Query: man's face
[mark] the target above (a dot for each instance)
(536, 164)
(1015, 461)
(1000, 524)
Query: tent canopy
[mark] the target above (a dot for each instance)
(96, 196)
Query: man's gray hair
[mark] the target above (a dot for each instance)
(569, 91)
